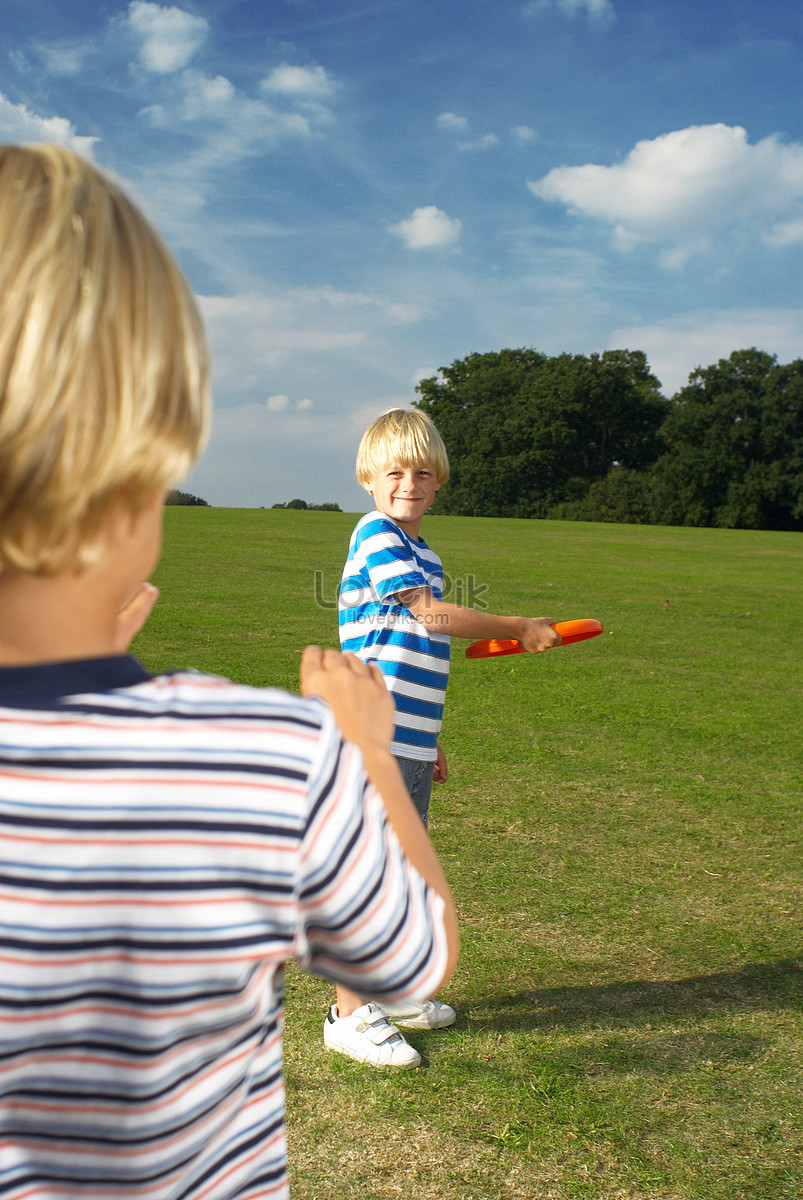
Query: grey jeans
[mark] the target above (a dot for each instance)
(417, 776)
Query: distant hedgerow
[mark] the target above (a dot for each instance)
(328, 507)
(174, 496)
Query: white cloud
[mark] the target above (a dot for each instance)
(423, 373)
(303, 89)
(451, 121)
(296, 325)
(228, 127)
(299, 82)
(169, 36)
(281, 404)
(483, 143)
(298, 375)
(19, 124)
(674, 258)
(204, 97)
(523, 133)
(258, 458)
(786, 233)
(427, 228)
(677, 346)
(65, 58)
(248, 125)
(685, 186)
(267, 332)
(598, 11)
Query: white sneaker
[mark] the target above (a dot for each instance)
(425, 1014)
(368, 1036)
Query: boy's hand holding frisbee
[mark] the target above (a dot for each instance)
(539, 634)
(567, 632)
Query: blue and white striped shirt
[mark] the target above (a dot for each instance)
(382, 562)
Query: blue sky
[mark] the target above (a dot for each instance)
(362, 191)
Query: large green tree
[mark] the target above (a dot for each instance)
(526, 432)
(734, 447)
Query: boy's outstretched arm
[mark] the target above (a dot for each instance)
(364, 711)
(535, 633)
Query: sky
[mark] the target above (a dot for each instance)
(364, 191)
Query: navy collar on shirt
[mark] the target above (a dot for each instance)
(47, 683)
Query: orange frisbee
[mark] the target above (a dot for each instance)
(570, 631)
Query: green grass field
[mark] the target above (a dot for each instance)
(620, 830)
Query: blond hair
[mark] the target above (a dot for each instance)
(405, 436)
(103, 359)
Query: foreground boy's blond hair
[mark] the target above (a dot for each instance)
(405, 436)
(103, 360)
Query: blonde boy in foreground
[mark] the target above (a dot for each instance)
(393, 616)
(169, 842)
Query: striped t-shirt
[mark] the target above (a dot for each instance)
(374, 624)
(166, 844)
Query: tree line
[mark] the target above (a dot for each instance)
(329, 506)
(592, 438)
(175, 496)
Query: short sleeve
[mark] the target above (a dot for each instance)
(367, 919)
(390, 562)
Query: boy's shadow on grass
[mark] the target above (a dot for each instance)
(774, 985)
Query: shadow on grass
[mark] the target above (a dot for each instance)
(774, 985)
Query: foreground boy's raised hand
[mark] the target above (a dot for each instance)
(364, 710)
(356, 693)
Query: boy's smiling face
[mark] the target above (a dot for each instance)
(404, 493)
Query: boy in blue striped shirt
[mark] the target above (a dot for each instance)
(392, 613)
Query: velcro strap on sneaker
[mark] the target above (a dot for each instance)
(378, 1029)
